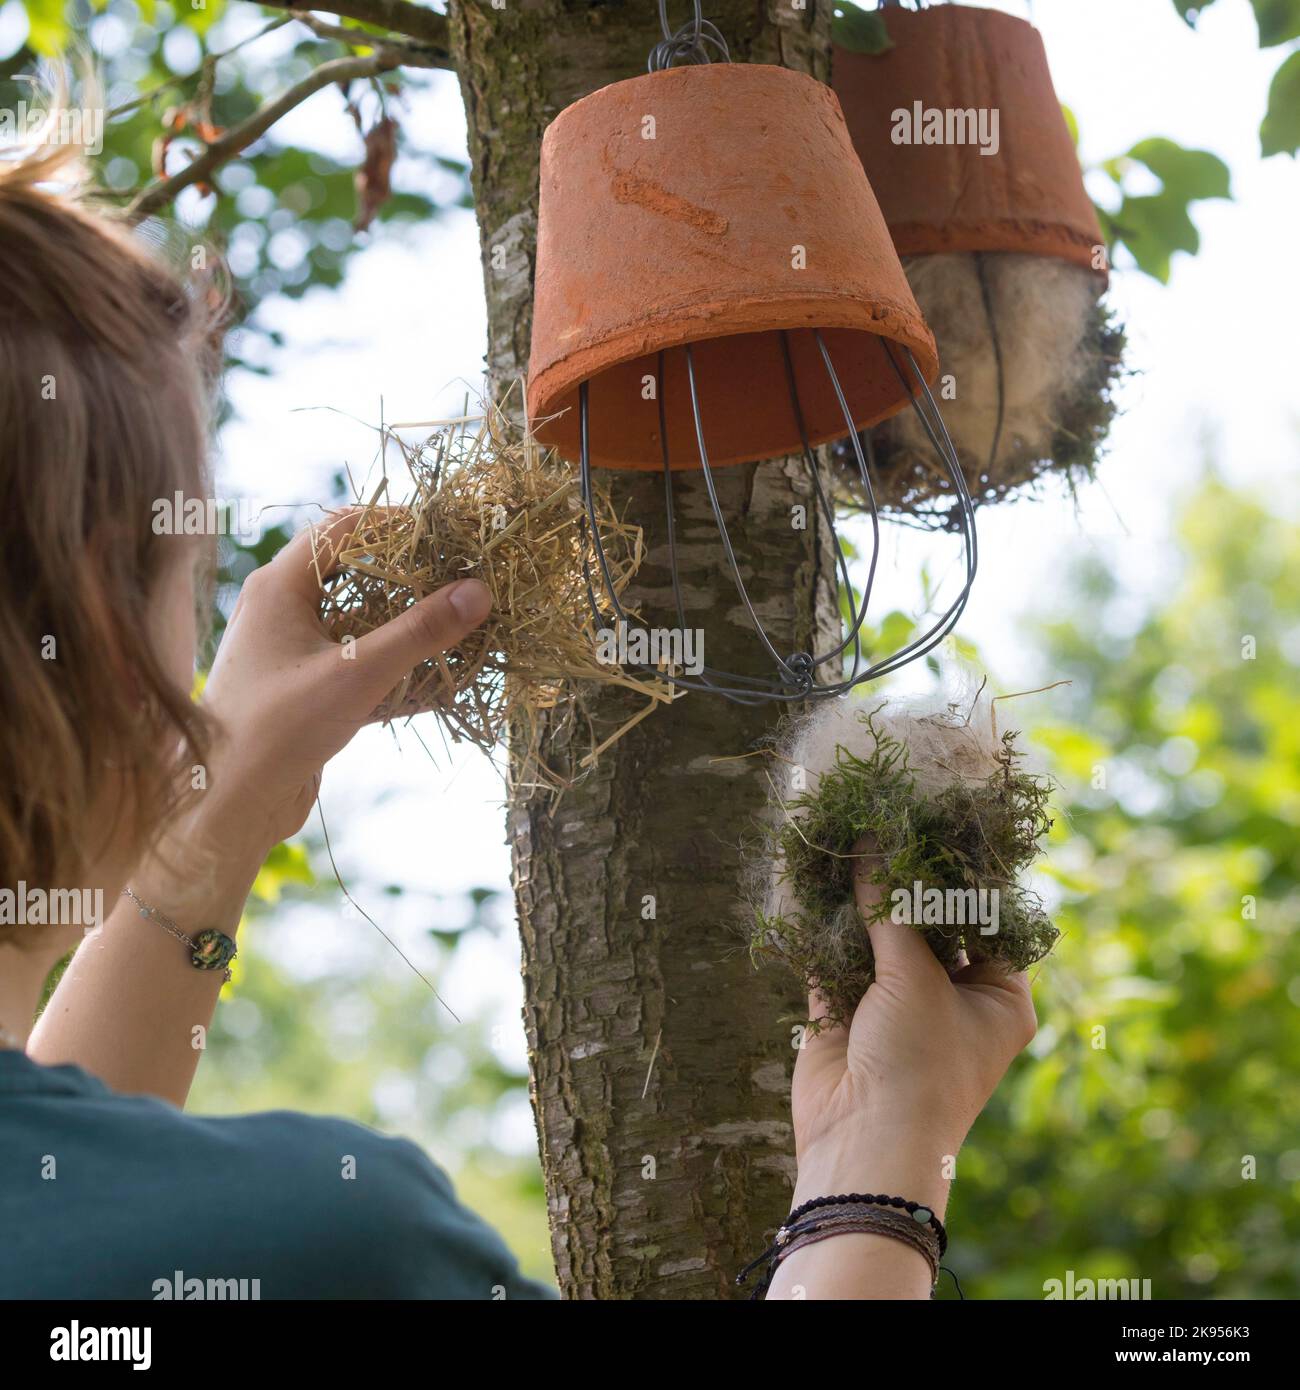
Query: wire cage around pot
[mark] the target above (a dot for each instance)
(715, 285)
(961, 135)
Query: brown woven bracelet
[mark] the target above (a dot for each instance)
(913, 1223)
(853, 1218)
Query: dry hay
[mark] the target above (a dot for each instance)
(1031, 323)
(492, 504)
(945, 802)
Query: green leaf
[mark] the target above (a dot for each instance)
(1185, 174)
(1280, 131)
(1071, 124)
(1153, 228)
(47, 28)
(1190, 10)
(859, 31)
(287, 863)
(1278, 20)
(1115, 168)
(201, 15)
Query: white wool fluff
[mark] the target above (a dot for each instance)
(946, 742)
(1043, 309)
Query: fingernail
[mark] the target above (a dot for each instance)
(470, 600)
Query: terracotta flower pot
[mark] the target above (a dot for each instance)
(694, 236)
(1028, 196)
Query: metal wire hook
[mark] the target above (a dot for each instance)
(689, 44)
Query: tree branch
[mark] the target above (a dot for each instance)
(238, 138)
(414, 52)
(399, 16)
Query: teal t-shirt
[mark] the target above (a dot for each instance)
(111, 1196)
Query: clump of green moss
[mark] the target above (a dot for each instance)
(971, 833)
(1089, 413)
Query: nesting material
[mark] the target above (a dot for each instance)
(489, 504)
(1034, 359)
(954, 818)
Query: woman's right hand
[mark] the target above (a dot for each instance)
(925, 1049)
(885, 1104)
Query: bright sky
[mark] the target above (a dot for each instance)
(1213, 352)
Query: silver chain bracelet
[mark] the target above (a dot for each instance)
(209, 950)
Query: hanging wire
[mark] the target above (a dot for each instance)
(986, 293)
(795, 676)
(689, 44)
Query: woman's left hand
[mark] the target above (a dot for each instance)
(286, 699)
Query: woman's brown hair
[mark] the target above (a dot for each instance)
(102, 414)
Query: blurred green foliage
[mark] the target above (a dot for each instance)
(1153, 1129)
(859, 30)
(282, 215)
(1279, 23)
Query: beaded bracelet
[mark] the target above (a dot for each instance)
(927, 1235)
(917, 1210)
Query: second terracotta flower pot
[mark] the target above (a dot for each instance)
(936, 197)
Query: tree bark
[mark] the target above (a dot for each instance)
(660, 1059)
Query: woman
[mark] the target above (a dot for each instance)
(118, 789)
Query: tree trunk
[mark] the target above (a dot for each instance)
(660, 1059)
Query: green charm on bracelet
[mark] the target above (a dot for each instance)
(209, 950)
(213, 950)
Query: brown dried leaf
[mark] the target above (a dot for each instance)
(374, 178)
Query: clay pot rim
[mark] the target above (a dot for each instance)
(1055, 241)
(696, 321)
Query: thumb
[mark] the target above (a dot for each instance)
(899, 949)
(392, 652)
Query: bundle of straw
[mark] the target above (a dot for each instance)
(488, 503)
